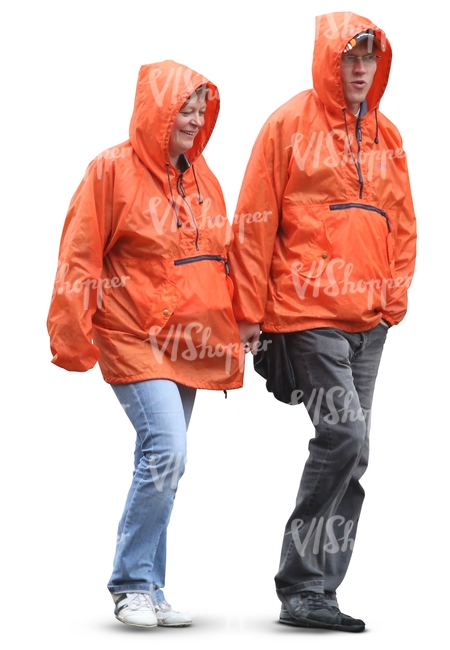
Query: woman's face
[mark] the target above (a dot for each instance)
(187, 124)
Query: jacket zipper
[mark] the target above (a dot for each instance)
(358, 155)
(182, 191)
(200, 258)
(345, 206)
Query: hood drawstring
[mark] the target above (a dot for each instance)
(356, 161)
(376, 121)
(200, 197)
(185, 164)
(174, 205)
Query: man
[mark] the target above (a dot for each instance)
(324, 252)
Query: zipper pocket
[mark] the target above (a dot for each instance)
(345, 206)
(201, 258)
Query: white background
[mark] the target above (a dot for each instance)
(69, 71)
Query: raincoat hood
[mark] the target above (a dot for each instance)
(333, 32)
(161, 91)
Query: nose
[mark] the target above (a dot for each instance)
(198, 119)
(359, 66)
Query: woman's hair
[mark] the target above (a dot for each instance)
(202, 93)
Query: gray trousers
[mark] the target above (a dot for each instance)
(336, 372)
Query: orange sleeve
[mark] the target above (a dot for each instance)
(79, 275)
(256, 223)
(404, 259)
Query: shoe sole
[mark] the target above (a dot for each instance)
(175, 624)
(303, 622)
(307, 622)
(136, 624)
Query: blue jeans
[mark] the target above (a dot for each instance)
(160, 411)
(336, 372)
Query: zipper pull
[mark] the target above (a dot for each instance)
(180, 186)
(388, 221)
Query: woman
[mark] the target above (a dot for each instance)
(143, 288)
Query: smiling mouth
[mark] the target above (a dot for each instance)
(190, 133)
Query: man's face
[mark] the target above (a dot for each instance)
(357, 75)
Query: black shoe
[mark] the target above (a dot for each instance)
(310, 609)
(348, 621)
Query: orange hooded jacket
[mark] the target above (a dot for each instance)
(324, 227)
(142, 284)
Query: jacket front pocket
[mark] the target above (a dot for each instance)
(304, 236)
(365, 239)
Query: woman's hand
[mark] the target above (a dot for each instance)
(249, 335)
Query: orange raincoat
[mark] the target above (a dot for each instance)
(324, 227)
(142, 283)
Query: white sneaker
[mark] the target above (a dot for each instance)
(135, 609)
(168, 617)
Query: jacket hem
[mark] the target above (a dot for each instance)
(131, 379)
(315, 324)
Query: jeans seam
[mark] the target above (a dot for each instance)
(133, 388)
(327, 431)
